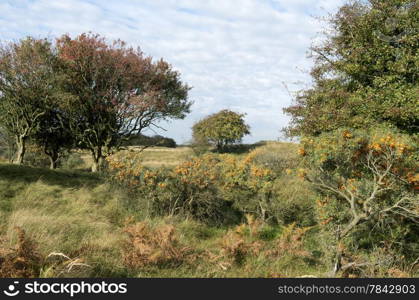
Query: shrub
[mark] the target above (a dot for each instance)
(368, 181)
(213, 188)
(185, 190)
(23, 261)
(293, 201)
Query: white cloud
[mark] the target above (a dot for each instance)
(236, 54)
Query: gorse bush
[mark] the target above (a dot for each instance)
(216, 188)
(188, 189)
(368, 181)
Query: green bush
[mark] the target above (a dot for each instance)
(276, 156)
(293, 201)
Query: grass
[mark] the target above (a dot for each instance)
(81, 215)
(164, 157)
(69, 212)
(153, 157)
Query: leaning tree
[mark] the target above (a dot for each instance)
(119, 92)
(29, 86)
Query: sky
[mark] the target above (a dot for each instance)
(249, 56)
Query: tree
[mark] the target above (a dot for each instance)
(221, 129)
(119, 92)
(53, 134)
(365, 71)
(367, 179)
(29, 84)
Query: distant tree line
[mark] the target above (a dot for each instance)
(144, 140)
(83, 92)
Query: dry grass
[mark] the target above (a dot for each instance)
(153, 157)
(290, 242)
(152, 246)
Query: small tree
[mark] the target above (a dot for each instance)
(366, 178)
(119, 92)
(221, 129)
(29, 85)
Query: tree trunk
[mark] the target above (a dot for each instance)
(21, 148)
(97, 160)
(95, 166)
(53, 158)
(338, 261)
(52, 163)
(341, 235)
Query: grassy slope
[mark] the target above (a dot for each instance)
(79, 214)
(63, 211)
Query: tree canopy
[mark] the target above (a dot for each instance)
(30, 84)
(221, 129)
(118, 90)
(85, 92)
(365, 72)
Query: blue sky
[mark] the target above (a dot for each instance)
(236, 54)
